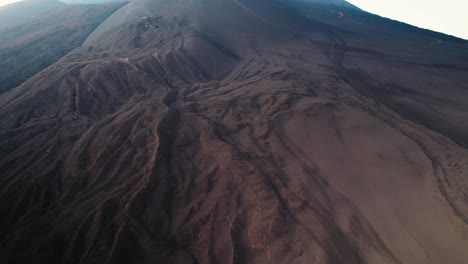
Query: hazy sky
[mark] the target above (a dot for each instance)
(4, 2)
(448, 16)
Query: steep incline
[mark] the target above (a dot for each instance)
(23, 11)
(32, 46)
(238, 132)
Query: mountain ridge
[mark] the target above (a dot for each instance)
(239, 132)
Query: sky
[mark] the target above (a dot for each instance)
(4, 2)
(448, 16)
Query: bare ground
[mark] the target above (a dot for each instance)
(169, 143)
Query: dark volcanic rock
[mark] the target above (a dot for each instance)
(240, 131)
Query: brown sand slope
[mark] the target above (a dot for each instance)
(240, 131)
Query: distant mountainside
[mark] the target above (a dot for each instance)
(233, 132)
(92, 1)
(30, 47)
(325, 2)
(23, 11)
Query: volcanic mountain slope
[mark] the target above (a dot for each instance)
(240, 131)
(30, 47)
(21, 12)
